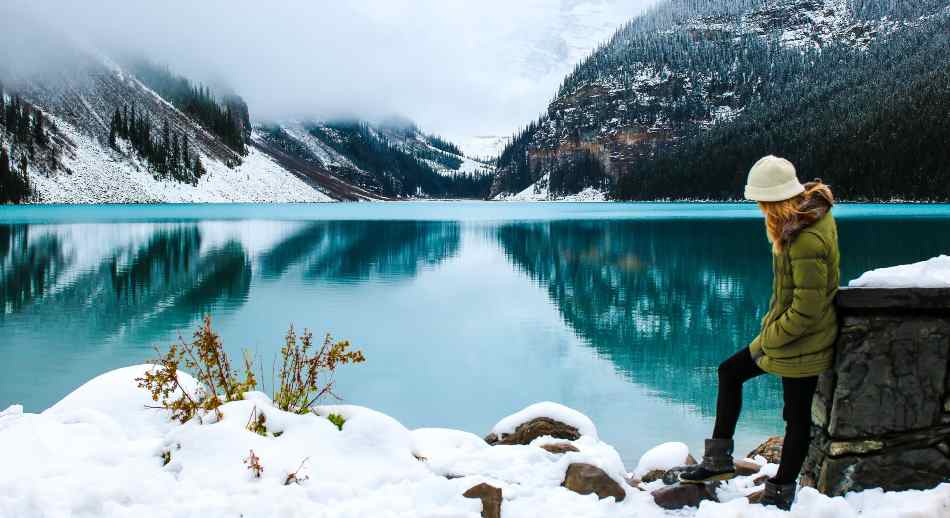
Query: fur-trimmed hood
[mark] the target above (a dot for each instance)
(814, 206)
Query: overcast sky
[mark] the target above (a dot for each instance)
(458, 68)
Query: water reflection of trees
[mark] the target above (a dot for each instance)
(27, 267)
(666, 301)
(355, 250)
(144, 291)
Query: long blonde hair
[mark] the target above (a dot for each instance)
(780, 216)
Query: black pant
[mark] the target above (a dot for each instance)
(798, 393)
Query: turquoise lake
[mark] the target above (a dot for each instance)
(466, 311)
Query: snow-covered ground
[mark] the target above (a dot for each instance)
(100, 453)
(101, 175)
(540, 191)
(933, 273)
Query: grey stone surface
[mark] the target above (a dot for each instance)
(890, 374)
(882, 414)
(895, 470)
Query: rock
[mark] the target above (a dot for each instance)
(531, 430)
(771, 449)
(634, 482)
(586, 479)
(842, 448)
(759, 480)
(679, 496)
(756, 497)
(672, 476)
(560, 447)
(690, 460)
(490, 497)
(745, 468)
(653, 475)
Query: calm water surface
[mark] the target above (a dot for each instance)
(465, 311)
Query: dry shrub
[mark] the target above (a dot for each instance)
(254, 464)
(296, 477)
(207, 361)
(306, 374)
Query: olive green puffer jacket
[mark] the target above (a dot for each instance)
(798, 333)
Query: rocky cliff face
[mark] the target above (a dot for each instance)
(683, 68)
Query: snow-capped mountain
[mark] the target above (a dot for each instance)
(690, 68)
(393, 158)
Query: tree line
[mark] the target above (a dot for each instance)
(168, 153)
(398, 171)
(228, 119)
(874, 124)
(24, 128)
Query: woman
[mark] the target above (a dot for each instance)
(798, 332)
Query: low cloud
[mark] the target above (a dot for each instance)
(459, 68)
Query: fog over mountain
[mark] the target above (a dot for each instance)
(458, 68)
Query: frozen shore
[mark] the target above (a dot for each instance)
(101, 452)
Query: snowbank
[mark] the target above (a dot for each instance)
(665, 456)
(933, 273)
(100, 452)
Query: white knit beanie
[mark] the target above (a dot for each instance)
(772, 179)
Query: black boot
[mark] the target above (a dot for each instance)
(717, 464)
(779, 495)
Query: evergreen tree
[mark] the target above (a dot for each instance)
(23, 190)
(199, 168)
(114, 129)
(6, 179)
(39, 131)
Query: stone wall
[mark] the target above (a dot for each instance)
(882, 414)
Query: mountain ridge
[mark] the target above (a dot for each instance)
(691, 65)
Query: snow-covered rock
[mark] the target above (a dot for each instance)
(665, 456)
(554, 411)
(101, 453)
(932, 273)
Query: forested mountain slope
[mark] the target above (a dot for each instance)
(82, 127)
(681, 101)
(391, 159)
(78, 127)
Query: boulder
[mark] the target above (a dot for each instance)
(745, 468)
(653, 475)
(771, 449)
(679, 496)
(531, 430)
(560, 447)
(586, 479)
(490, 497)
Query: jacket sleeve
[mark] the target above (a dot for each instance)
(810, 278)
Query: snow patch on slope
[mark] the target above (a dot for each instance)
(540, 191)
(97, 174)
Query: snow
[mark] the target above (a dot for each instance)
(99, 453)
(540, 191)
(665, 456)
(100, 175)
(551, 410)
(932, 273)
